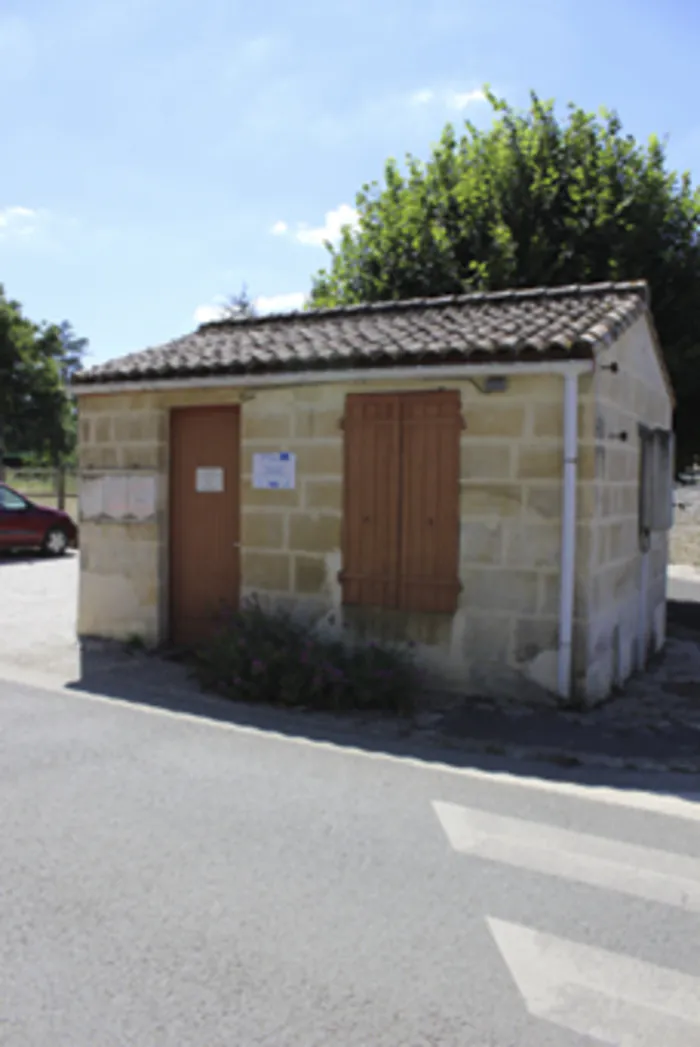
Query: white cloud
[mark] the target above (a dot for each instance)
(206, 314)
(280, 303)
(422, 97)
(317, 236)
(332, 228)
(19, 221)
(461, 99)
(264, 304)
(449, 99)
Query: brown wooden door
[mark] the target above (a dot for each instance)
(204, 518)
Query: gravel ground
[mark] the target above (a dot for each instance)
(38, 612)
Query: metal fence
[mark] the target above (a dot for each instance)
(57, 488)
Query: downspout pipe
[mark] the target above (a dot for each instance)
(568, 537)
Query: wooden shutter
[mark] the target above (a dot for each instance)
(429, 534)
(371, 501)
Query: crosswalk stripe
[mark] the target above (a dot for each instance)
(642, 872)
(597, 993)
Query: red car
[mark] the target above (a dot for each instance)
(24, 525)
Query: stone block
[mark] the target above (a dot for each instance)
(499, 590)
(544, 501)
(482, 461)
(547, 388)
(535, 463)
(533, 545)
(586, 466)
(141, 456)
(263, 530)
(548, 593)
(587, 500)
(483, 637)
(261, 425)
(486, 499)
(254, 497)
(104, 430)
(137, 427)
(313, 424)
(266, 571)
(99, 457)
(497, 420)
(309, 575)
(481, 541)
(314, 533)
(323, 494)
(534, 635)
(203, 397)
(322, 458)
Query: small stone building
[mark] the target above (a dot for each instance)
(487, 475)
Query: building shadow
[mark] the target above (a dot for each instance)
(150, 681)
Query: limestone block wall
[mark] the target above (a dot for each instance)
(123, 589)
(636, 394)
(505, 630)
(506, 625)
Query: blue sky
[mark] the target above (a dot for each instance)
(159, 153)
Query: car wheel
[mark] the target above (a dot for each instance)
(55, 542)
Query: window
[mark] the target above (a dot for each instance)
(10, 500)
(656, 472)
(401, 503)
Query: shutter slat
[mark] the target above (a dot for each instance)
(431, 424)
(371, 501)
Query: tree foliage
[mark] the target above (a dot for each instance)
(534, 200)
(37, 361)
(239, 306)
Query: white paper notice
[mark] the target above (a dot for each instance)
(141, 497)
(209, 480)
(115, 496)
(274, 472)
(90, 499)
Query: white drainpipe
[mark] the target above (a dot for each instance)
(568, 535)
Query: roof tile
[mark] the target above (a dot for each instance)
(528, 324)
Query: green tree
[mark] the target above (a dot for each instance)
(37, 416)
(535, 200)
(239, 306)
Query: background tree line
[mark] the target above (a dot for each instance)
(535, 200)
(37, 414)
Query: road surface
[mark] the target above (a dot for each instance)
(167, 881)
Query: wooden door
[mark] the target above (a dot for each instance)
(204, 518)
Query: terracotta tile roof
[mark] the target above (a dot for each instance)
(540, 324)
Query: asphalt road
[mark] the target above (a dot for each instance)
(171, 881)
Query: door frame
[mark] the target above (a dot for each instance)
(179, 411)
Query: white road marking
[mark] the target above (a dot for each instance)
(686, 806)
(594, 992)
(643, 872)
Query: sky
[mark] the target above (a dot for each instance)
(159, 154)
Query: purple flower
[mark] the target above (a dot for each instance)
(257, 666)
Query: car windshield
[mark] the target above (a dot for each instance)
(10, 499)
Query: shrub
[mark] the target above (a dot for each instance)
(274, 657)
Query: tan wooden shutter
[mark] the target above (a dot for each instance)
(371, 500)
(429, 536)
